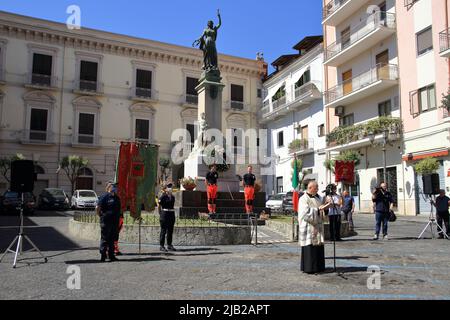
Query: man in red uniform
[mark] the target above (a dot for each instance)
(211, 189)
(249, 189)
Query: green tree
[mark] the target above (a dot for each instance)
(427, 166)
(5, 164)
(71, 166)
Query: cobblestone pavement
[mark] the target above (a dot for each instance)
(409, 268)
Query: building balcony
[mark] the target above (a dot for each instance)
(365, 134)
(38, 137)
(189, 100)
(143, 94)
(301, 146)
(378, 79)
(89, 141)
(85, 87)
(40, 81)
(236, 106)
(373, 29)
(302, 96)
(444, 41)
(336, 11)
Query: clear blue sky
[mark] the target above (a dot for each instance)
(249, 26)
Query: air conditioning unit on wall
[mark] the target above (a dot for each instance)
(339, 111)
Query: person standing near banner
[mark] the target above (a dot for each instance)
(334, 212)
(109, 210)
(249, 180)
(211, 189)
(311, 233)
(167, 218)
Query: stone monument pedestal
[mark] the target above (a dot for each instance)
(210, 115)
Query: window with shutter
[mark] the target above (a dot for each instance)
(424, 41)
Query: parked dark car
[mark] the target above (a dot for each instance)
(53, 199)
(10, 202)
(287, 206)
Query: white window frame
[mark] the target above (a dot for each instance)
(144, 112)
(95, 114)
(238, 82)
(147, 66)
(45, 50)
(90, 106)
(91, 57)
(38, 100)
(427, 90)
(149, 128)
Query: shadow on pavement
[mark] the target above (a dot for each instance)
(97, 261)
(45, 238)
(344, 270)
(347, 258)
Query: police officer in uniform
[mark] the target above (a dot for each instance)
(211, 189)
(108, 209)
(249, 189)
(167, 218)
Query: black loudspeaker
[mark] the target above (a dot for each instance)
(22, 176)
(431, 184)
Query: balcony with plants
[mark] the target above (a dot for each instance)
(301, 145)
(364, 133)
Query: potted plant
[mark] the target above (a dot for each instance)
(427, 166)
(189, 183)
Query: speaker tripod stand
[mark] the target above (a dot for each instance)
(433, 222)
(20, 239)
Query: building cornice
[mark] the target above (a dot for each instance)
(48, 32)
(297, 64)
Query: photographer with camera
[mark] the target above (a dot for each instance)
(383, 205)
(334, 211)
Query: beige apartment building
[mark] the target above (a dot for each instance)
(361, 86)
(82, 91)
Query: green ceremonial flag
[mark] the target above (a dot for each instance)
(145, 187)
(295, 175)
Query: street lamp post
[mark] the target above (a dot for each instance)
(384, 143)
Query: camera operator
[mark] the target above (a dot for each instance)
(334, 212)
(442, 203)
(383, 204)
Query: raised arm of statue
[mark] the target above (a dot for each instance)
(220, 20)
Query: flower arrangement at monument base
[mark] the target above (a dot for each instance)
(189, 183)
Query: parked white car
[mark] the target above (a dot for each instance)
(83, 199)
(275, 202)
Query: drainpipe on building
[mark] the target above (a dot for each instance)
(446, 28)
(61, 111)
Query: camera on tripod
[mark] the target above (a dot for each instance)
(330, 189)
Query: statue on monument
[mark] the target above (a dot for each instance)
(207, 43)
(201, 142)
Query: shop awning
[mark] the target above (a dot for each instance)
(416, 156)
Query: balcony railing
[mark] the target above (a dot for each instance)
(191, 99)
(143, 93)
(280, 102)
(368, 25)
(38, 137)
(380, 72)
(300, 145)
(237, 105)
(40, 80)
(444, 40)
(304, 90)
(86, 86)
(88, 140)
(331, 7)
